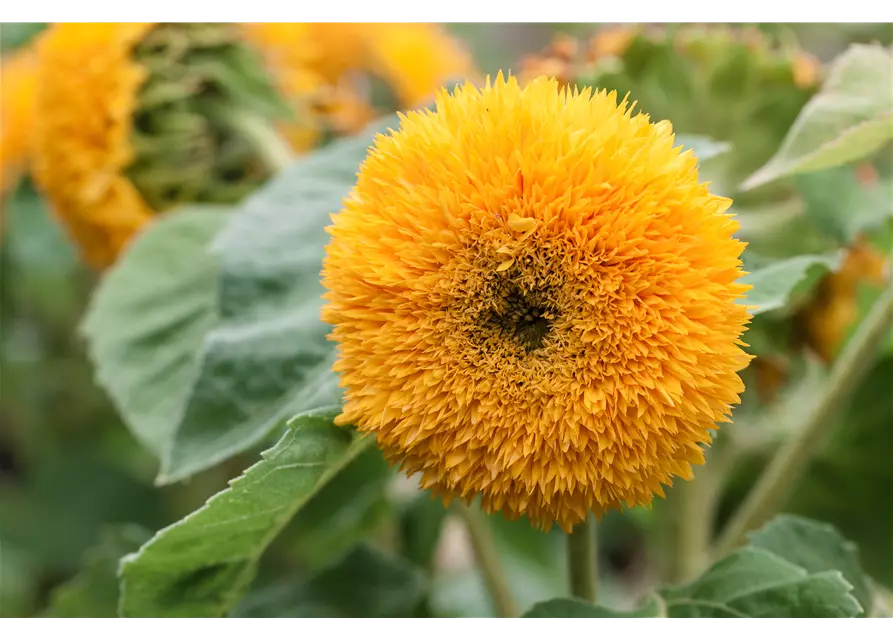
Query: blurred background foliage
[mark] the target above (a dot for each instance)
(71, 473)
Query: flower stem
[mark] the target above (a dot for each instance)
(691, 507)
(582, 560)
(272, 149)
(785, 469)
(488, 561)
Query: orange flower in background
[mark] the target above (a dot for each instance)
(835, 307)
(611, 42)
(557, 61)
(18, 80)
(806, 69)
(535, 300)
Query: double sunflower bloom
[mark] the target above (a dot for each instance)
(534, 298)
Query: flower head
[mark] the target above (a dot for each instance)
(534, 300)
(416, 60)
(18, 79)
(413, 60)
(135, 119)
(835, 306)
(86, 100)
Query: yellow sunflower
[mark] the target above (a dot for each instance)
(18, 78)
(86, 98)
(308, 63)
(416, 60)
(535, 300)
(124, 129)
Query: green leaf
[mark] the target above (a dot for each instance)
(147, 321)
(363, 584)
(17, 34)
(850, 118)
(268, 358)
(778, 284)
(93, 593)
(839, 205)
(353, 506)
(58, 511)
(201, 565)
(705, 147)
(816, 547)
(577, 608)
(19, 582)
(753, 583)
(849, 482)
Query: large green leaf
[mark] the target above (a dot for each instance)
(268, 358)
(352, 507)
(147, 321)
(201, 565)
(754, 583)
(850, 118)
(839, 205)
(576, 608)
(816, 547)
(363, 584)
(93, 593)
(777, 284)
(848, 483)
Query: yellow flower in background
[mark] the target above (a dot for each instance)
(320, 76)
(134, 119)
(416, 60)
(535, 300)
(18, 79)
(308, 62)
(85, 101)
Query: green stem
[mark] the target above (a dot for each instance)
(272, 149)
(582, 560)
(780, 477)
(488, 561)
(691, 507)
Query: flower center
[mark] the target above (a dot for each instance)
(524, 320)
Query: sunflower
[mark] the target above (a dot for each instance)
(534, 300)
(312, 76)
(135, 119)
(413, 60)
(18, 79)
